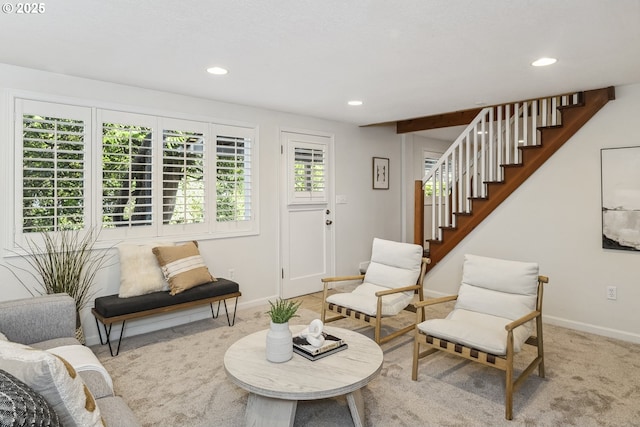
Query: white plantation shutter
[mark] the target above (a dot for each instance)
(183, 177)
(234, 175)
(148, 176)
(52, 142)
(127, 175)
(309, 165)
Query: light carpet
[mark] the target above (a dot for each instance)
(175, 377)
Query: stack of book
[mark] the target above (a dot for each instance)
(332, 344)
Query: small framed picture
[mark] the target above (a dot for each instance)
(380, 173)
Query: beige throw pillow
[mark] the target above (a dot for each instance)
(55, 380)
(140, 272)
(183, 266)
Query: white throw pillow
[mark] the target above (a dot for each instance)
(140, 272)
(55, 380)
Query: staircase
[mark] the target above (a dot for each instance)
(496, 153)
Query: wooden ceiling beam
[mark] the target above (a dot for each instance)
(437, 121)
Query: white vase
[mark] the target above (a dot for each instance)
(279, 343)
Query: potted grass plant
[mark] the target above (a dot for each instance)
(279, 338)
(65, 262)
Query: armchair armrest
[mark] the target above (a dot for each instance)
(397, 290)
(434, 301)
(521, 321)
(342, 278)
(39, 318)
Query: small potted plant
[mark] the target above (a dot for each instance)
(279, 339)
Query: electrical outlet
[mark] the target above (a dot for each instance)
(612, 292)
(232, 273)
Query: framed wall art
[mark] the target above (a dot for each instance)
(380, 173)
(621, 198)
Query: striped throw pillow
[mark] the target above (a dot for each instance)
(183, 266)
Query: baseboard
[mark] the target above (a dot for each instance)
(169, 320)
(593, 329)
(575, 325)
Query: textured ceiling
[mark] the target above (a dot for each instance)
(403, 58)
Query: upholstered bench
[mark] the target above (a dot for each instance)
(112, 309)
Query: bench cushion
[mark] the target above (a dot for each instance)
(112, 305)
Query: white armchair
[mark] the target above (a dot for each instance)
(392, 279)
(498, 310)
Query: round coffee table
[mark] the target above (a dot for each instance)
(275, 388)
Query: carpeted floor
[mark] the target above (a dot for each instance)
(176, 377)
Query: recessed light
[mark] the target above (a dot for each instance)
(543, 62)
(218, 71)
(354, 103)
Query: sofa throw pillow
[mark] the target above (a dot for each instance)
(183, 266)
(55, 380)
(20, 405)
(139, 270)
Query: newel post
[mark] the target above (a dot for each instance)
(418, 213)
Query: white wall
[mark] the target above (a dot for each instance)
(255, 259)
(554, 218)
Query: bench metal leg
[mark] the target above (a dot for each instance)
(215, 315)
(107, 332)
(99, 333)
(235, 308)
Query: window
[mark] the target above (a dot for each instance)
(430, 161)
(127, 178)
(151, 176)
(309, 170)
(183, 183)
(308, 164)
(53, 146)
(234, 177)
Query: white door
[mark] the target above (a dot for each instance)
(306, 213)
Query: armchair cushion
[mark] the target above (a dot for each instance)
(363, 299)
(476, 330)
(394, 264)
(501, 275)
(498, 287)
(500, 304)
(493, 293)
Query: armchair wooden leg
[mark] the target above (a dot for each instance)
(416, 355)
(323, 311)
(508, 390)
(540, 346)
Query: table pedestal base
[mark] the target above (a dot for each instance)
(271, 412)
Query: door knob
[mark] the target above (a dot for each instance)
(328, 222)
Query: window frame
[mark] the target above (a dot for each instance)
(97, 114)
